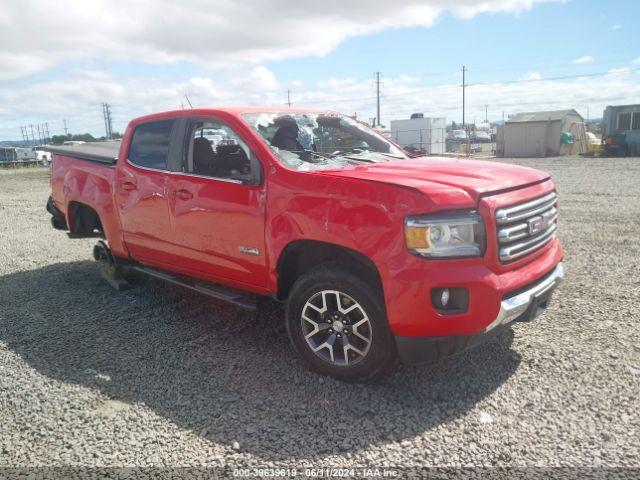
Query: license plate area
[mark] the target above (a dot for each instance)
(538, 305)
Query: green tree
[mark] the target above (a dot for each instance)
(83, 137)
(60, 139)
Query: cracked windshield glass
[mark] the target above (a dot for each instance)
(314, 141)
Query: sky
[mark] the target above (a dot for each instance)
(60, 60)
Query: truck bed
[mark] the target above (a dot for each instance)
(100, 152)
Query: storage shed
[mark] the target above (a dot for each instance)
(539, 134)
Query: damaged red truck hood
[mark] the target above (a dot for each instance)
(429, 174)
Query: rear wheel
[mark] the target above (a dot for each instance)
(338, 326)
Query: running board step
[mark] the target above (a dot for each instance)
(243, 300)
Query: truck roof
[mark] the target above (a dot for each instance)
(236, 111)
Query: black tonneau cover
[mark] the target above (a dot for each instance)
(101, 152)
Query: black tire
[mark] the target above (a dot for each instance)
(381, 354)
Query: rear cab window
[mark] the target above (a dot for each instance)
(150, 144)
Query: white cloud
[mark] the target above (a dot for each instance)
(40, 33)
(619, 72)
(78, 97)
(15, 65)
(531, 76)
(582, 60)
(263, 78)
(636, 61)
(617, 26)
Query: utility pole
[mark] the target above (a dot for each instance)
(48, 136)
(39, 135)
(464, 86)
(378, 98)
(288, 98)
(66, 130)
(110, 121)
(104, 118)
(33, 138)
(587, 125)
(106, 113)
(486, 114)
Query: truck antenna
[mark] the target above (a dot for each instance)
(188, 101)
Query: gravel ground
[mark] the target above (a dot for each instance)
(158, 377)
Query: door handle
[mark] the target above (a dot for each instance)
(128, 186)
(183, 194)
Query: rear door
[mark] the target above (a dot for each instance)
(141, 191)
(217, 205)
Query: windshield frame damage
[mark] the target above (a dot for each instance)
(295, 139)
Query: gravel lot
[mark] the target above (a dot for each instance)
(156, 376)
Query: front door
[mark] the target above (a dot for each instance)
(141, 192)
(217, 206)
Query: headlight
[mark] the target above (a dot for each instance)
(445, 235)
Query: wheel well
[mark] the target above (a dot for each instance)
(303, 255)
(84, 220)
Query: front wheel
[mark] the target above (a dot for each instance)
(338, 326)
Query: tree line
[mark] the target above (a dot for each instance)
(82, 137)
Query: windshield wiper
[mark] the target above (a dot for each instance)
(358, 159)
(389, 155)
(341, 151)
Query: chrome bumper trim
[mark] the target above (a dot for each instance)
(513, 307)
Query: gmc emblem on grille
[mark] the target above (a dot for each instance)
(535, 225)
(539, 223)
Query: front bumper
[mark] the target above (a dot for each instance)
(522, 305)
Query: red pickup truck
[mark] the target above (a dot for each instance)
(377, 255)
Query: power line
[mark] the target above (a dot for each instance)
(467, 85)
(547, 79)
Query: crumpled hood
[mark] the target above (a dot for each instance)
(430, 174)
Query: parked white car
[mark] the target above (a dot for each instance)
(457, 135)
(43, 157)
(480, 136)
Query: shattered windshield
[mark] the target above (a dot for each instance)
(315, 141)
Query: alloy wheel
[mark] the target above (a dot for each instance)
(336, 328)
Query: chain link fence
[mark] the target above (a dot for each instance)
(439, 141)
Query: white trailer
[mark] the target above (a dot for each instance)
(25, 154)
(420, 134)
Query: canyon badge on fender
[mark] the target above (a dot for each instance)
(249, 250)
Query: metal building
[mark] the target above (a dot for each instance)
(539, 134)
(420, 134)
(623, 120)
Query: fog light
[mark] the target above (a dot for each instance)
(444, 297)
(450, 300)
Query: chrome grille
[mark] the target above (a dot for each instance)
(524, 228)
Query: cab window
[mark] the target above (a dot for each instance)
(150, 144)
(214, 149)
